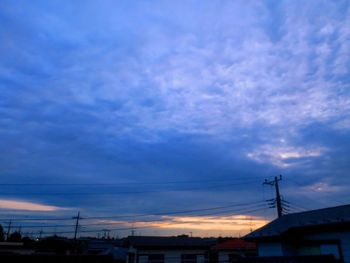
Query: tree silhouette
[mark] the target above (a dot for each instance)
(2, 234)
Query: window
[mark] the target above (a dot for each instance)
(156, 258)
(188, 258)
(332, 249)
(320, 248)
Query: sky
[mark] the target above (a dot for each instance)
(119, 108)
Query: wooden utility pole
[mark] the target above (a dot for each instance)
(76, 225)
(278, 196)
(8, 230)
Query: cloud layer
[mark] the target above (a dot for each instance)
(150, 92)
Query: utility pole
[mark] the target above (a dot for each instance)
(132, 230)
(76, 225)
(251, 224)
(8, 230)
(278, 196)
(106, 233)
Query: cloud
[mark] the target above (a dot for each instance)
(190, 83)
(27, 206)
(325, 188)
(284, 156)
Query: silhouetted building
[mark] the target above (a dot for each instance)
(232, 249)
(15, 248)
(316, 232)
(105, 247)
(148, 249)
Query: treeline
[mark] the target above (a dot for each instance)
(15, 236)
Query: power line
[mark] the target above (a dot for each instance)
(296, 206)
(143, 221)
(313, 200)
(166, 219)
(233, 212)
(178, 223)
(247, 209)
(138, 215)
(145, 227)
(175, 212)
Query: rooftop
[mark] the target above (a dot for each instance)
(320, 217)
(235, 244)
(168, 242)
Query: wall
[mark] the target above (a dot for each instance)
(224, 255)
(174, 256)
(267, 249)
(279, 249)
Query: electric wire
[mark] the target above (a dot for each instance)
(141, 227)
(136, 215)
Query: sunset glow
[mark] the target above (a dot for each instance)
(214, 225)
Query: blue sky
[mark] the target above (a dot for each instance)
(136, 94)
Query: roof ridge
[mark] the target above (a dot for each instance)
(165, 236)
(314, 210)
(323, 216)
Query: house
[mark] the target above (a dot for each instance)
(232, 249)
(316, 232)
(15, 248)
(47, 250)
(109, 247)
(151, 249)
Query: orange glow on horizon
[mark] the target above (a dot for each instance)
(214, 224)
